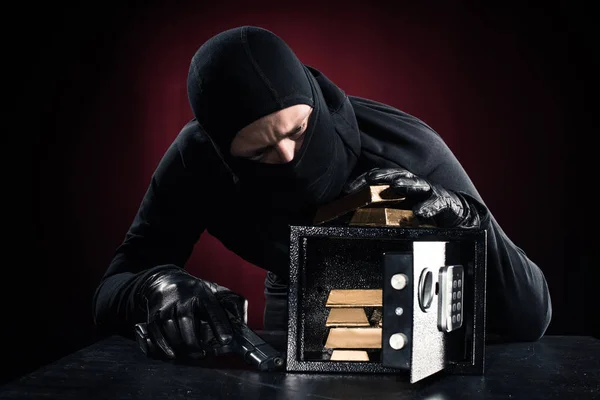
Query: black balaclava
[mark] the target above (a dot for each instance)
(246, 73)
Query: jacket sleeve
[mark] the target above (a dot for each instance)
(518, 300)
(167, 225)
(519, 307)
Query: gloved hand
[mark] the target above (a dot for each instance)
(447, 209)
(187, 315)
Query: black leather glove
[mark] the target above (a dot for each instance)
(186, 315)
(447, 209)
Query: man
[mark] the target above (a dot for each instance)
(272, 139)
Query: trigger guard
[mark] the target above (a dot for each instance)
(223, 349)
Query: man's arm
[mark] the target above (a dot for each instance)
(168, 223)
(518, 300)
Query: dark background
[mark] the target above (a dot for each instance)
(100, 94)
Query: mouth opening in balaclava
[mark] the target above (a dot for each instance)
(246, 73)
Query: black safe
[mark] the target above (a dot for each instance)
(432, 284)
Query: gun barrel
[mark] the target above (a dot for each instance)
(256, 351)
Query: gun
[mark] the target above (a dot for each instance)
(246, 343)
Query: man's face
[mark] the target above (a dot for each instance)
(275, 138)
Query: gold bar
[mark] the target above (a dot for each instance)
(354, 338)
(355, 298)
(349, 355)
(367, 196)
(347, 317)
(384, 217)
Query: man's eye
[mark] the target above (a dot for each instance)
(298, 135)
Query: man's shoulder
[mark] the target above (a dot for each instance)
(195, 147)
(192, 139)
(390, 136)
(193, 134)
(375, 111)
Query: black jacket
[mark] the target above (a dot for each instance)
(192, 191)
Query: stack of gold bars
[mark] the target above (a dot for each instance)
(350, 331)
(371, 206)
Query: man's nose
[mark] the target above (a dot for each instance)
(286, 149)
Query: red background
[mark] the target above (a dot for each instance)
(467, 86)
(105, 95)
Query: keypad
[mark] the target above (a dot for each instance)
(451, 298)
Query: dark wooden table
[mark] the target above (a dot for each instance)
(556, 367)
